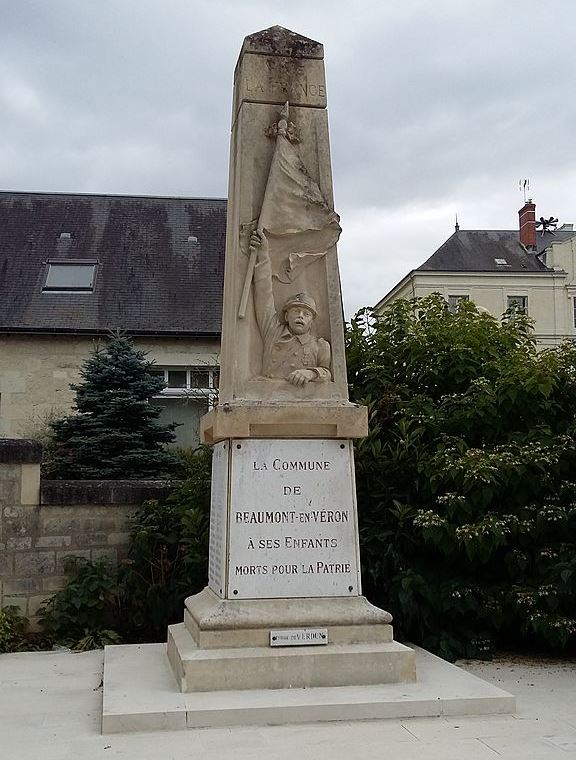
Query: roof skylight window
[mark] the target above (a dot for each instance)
(501, 262)
(70, 277)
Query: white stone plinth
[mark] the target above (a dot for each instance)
(140, 694)
(248, 668)
(225, 644)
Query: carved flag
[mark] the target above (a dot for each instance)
(299, 224)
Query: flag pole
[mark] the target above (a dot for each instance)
(248, 280)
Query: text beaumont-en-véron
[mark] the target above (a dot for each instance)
(290, 516)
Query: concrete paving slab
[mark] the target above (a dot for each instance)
(545, 709)
(140, 675)
(140, 694)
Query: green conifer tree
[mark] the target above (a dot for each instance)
(114, 433)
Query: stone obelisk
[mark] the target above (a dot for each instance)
(284, 606)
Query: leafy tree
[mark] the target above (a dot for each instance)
(115, 433)
(465, 483)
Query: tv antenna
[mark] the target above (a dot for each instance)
(524, 185)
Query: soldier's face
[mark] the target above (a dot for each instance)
(299, 319)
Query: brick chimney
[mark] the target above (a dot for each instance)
(527, 216)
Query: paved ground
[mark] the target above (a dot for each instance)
(50, 705)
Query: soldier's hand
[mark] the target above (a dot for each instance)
(301, 376)
(259, 244)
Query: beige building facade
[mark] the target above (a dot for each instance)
(36, 372)
(496, 269)
(75, 267)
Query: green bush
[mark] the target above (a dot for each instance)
(466, 498)
(13, 629)
(87, 610)
(167, 561)
(168, 555)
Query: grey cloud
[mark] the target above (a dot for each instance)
(430, 105)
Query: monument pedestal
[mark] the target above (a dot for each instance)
(284, 607)
(227, 644)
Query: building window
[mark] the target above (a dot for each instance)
(189, 393)
(70, 277)
(455, 301)
(518, 304)
(191, 381)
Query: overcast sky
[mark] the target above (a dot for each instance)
(435, 108)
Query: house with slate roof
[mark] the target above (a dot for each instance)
(75, 266)
(497, 269)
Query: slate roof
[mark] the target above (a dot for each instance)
(151, 279)
(477, 251)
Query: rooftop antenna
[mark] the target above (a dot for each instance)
(456, 226)
(524, 185)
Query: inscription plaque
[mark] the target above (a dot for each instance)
(292, 522)
(299, 637)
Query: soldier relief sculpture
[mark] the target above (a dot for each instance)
(290, 350)
(295, 228)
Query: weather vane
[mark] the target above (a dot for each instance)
(548, 225)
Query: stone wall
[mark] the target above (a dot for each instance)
(44, 522)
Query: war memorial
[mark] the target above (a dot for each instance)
(282, 632)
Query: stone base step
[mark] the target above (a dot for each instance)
(141, 694)
(234, 669)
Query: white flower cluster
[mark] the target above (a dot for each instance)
(451, 498)
(525, 600)
(552, 513)
(568, 625)
(547, 591)
(525, 526)
(549, 553)
(427, 518)
(490, 525)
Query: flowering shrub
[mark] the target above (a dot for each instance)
(466, 504)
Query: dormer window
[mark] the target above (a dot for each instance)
(70, 277)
